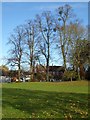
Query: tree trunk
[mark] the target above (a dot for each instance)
(47, 70)
(64, 57)
(19, 74)
(71, 79)
(31, 71)
(48, 57)
(79, 78)
(82, 73)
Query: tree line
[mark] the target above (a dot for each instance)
(38, 39)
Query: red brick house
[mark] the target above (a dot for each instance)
(56, 72)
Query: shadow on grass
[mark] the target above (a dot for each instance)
(41, 104)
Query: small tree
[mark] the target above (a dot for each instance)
(4, 70)
(69, 75)
(16, 48)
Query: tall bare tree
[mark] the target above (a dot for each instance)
(16, 48)
(31, 46)
(45, 28)
(64, 14)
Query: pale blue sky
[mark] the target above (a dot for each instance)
(14, 14)
(45, 0)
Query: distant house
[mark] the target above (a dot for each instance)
(4, 79)
(56, 72)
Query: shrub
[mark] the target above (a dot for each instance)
(69, 76)
(40, 76)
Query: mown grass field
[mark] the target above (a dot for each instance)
(45, 100)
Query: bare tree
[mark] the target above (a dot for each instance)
(77, 54)
(16, 48)
(45, 28)
(31, 46)
(64, 14)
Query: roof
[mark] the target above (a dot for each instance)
(56, 68)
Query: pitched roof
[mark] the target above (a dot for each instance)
(56, 68)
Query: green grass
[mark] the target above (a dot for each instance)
(45, 100)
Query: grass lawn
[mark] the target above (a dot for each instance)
(45, 100)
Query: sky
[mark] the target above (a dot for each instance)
(45, 0)
(16, 13)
